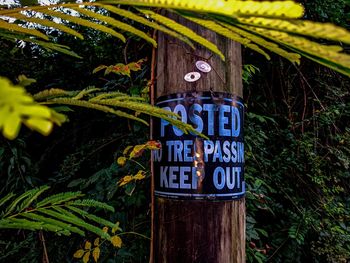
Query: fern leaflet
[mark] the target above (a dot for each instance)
(95, 106)
(184, 31)
(83, 22)
(76, 221)
(58, 198)
(34, 194)
(13, 206)
(45, 94)
(227, 33)
(63, 211)
(288, 9)
(94, 218)
(338, 60)
(307, 28)
(48, 23)
(117, 24)
(292, 57)
(17, 28)
(144, 21)
(6, 198)
(54, 222)
(15, 223)
(92, 203)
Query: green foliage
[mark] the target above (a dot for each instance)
(26, 212)
(297, 142)
(297, 151)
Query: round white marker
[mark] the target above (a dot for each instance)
(192, 76)
(203, 66)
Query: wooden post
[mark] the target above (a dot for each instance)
(189, 231)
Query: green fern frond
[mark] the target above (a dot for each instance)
(92, 203)
(184, 31)
(92, 217)
(17, 28)
(15, 205)
(33, 195)
(48, 93)
(231, 8)
(48, 23)
(75, 221)
(54, 222)
(54, 47)
(59, 198)
(144, 21)
(53, 213)
(115, 23)
(307, 28)
(213, 26)
(292, 57)
(84, 22)
(16, 223)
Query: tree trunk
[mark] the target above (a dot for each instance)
(200, 231)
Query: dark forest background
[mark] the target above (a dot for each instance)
(297, 136)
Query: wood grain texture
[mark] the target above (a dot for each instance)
(198, 231)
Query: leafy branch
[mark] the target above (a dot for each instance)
(59, 213)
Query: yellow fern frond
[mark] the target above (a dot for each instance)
(139, 107)
(83, 22)
(227, 33)
(152, 111)
(292, 57)
(184, 31)
(306, 46)
(19, 29)
(287, 9)
(128, 98)
(114, 94)
(89, 105)
(115, 23)
(85, 92)
(45, 94)
(307, 28)
(48, 23)
(144, 21)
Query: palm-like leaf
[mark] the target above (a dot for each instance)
(258, 25)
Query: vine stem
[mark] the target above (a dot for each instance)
(45, 255)
(134, 233)
(153, 69)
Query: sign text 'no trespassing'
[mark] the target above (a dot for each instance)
(191, 167)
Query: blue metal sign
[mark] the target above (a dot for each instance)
(191, 167)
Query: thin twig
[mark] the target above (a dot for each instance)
(153, 69)
(45, 255)
(134, 233)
